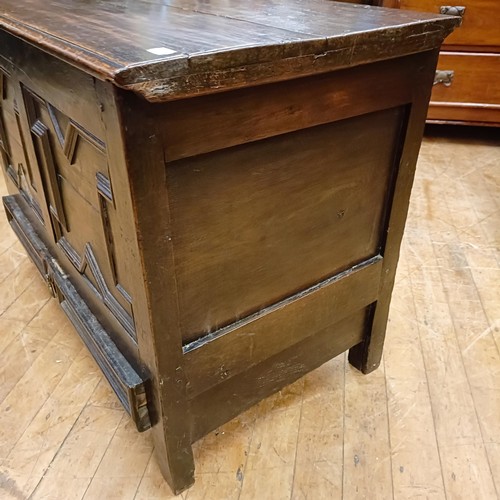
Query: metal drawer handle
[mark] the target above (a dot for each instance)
(49, 281)
(444, 76)
(452, 10)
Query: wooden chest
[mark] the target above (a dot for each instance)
(214, 192)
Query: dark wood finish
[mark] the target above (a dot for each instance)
(215, 45)
(191, 127)
(159, 342)
(217, 357)
(219, 220)
(215, 406)
(366, 356)
(248, 190)
(128, 385)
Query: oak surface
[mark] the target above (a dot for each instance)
(208, 279)
(169, 49)
(424, 424)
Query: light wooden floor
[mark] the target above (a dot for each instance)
(425, 425)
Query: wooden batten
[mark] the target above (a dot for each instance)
(239, 347)
(209, 123)
(229, 398)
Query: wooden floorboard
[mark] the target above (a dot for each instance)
(426, 424)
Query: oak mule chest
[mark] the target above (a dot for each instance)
(214, 192)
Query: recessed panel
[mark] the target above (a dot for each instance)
(256, 223)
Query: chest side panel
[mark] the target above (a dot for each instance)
(300, 193)
(257, 223)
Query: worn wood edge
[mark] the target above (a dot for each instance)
(237, 347)
(128, 385)
(96, 64)
(130, 390)
(160, 340)
(475, 105)
(226, 70)
(228, 399)
(186, 76)
(465, 123)
(367, 356)
(32, 246)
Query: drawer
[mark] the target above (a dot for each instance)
(475, 79)
(474, 92)
(481, 20)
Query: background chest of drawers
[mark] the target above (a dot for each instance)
(467, 86)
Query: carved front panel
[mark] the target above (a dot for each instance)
(79, 200)
(13, 157)
(3, 135)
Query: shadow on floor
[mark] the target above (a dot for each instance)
(464, 133)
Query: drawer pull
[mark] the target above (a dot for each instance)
(50, 285)
(452, 10)
(444, 76)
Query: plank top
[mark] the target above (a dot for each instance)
(168, 49)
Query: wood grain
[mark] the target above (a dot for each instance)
(473, 81)
(367, 355)
(245, 235)
(479, 26)
(454, 201)
(215, 406)
(208, 123)
(246, 344)
(472, 53)
(339, 208)
(474, 93)
(237, 49)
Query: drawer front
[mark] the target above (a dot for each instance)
(474, 91)
(475, 78)
(363, 2)
(481, 20)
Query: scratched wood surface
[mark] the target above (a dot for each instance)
(424, 425)
(167, 49)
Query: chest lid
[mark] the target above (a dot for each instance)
(170, 49)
